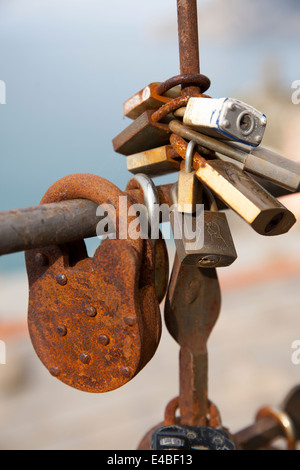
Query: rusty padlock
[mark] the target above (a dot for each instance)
(141, 135)
(94, 322)
(148, 98)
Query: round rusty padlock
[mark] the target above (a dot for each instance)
(94, 322)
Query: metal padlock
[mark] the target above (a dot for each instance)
(257, 160)
(142, 134)
(189, 187)
(247, 198)
(155, 162)
(266, 215)
(94, 322)
(226, 119)
(213, 434)
(175, 437)
(203, 238)
(148, 98)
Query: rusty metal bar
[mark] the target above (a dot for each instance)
(187, 19)
(56, 223)
(258, 435)
(188, 36)
(47, 224)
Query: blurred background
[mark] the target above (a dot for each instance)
(68, 66)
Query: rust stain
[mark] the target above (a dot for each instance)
(201, 82)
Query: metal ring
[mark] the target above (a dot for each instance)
(283, 420)
(170, 412)
(151, 197)
(191, 79)
(188, 164)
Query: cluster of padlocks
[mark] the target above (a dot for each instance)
(96, 322)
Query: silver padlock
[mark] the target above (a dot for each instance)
(226, 119)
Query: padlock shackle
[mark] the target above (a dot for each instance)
(150, 195)
(188, 164)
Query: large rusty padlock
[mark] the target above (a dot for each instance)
(94, 322)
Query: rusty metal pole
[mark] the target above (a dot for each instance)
(193, 399)
(47, 224)
(57, 223)
(187, 19)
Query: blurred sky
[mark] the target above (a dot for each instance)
(69, 65)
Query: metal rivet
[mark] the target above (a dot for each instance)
(61, 279)
(54, 371)
(61, 330)
(130, 320)
(103, 339)
(91, 311)
(41, 259)
(85, 358)
(125, 371)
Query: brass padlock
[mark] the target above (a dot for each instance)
(189, 187)
(155, 162)
(239, 191)
(94, 322)
(148, 98)
(142, 134)
(266, 215)
(204, 238)
(256, 160)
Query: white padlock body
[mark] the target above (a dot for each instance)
(226, 119)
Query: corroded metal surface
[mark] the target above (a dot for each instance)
(171, 418)
(142, 134)
(271, 423)
(145, 99)
(30, 227)
(94, 322)
(169, 107)
(187, 20)
(191, 310)
(61, 222)
(185, 79)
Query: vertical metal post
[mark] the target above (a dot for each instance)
(188, 40)
(193, 399)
